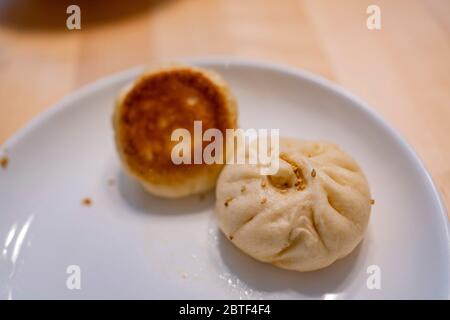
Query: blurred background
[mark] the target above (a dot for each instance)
(402, 70)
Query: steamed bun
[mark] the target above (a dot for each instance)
(310, 213)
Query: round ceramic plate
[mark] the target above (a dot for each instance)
(129, 244)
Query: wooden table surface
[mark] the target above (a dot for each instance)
(402, 70)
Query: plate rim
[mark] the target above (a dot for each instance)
(323, 83)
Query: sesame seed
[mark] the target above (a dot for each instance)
(228, 202)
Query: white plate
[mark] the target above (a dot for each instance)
(129, 244)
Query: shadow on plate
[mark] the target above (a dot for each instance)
(145, 203)
(267, 278)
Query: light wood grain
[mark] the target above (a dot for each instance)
(403, 70)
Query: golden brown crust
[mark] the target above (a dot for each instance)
(156, 104)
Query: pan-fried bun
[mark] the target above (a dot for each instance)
(148, 111)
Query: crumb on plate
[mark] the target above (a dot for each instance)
(4, 161)
(86, 201)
